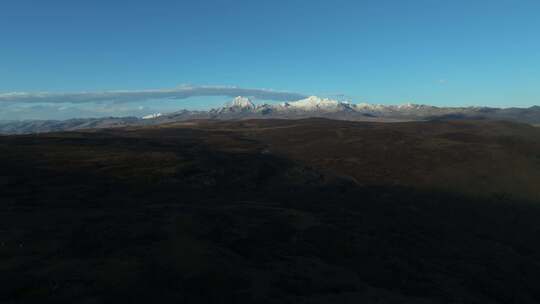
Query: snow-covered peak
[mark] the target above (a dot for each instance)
(407, 105)
(412, 106)
(313, 103)
(152, 116)
(316, 104)
(242, 103)
(368, 106)
(383, 108)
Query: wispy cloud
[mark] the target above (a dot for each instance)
(182, 92)
(33, 111)
(443, 81)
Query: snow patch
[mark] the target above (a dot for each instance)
(152, 116)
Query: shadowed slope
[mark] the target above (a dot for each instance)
(250, 213)
(484, 158)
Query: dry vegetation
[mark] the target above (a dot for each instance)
(309, 211)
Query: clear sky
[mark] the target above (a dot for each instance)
(473, 52)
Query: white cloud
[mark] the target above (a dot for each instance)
(143, 95)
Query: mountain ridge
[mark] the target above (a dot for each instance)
(242, 107)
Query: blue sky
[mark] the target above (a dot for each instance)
(449, 53)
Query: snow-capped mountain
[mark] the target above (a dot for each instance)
(240, 104)
(313, 103)
(314, 106)
(308, 105)
(244, 108)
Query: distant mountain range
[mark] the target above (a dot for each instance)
(244, 108)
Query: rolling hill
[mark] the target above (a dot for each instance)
(272, 211)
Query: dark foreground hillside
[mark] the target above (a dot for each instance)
(311, 211)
